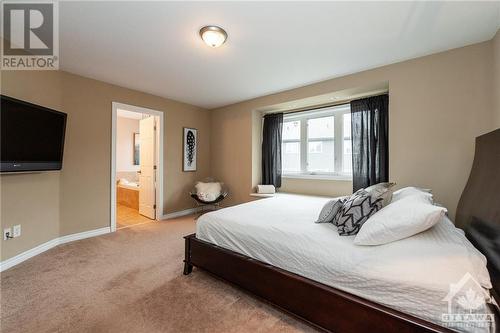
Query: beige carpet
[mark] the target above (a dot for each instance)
(129, 281)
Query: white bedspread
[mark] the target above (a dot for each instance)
(412, 275)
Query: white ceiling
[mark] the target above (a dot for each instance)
(272, 46)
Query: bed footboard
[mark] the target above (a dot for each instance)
(322, 306)
(188, 267)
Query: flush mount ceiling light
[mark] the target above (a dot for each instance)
(213, 36)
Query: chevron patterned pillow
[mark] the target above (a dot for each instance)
(355, 211)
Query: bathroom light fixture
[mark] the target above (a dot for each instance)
(213, 36)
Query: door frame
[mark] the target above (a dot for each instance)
(160, 138)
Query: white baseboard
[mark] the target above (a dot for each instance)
(83, 235)
(180, 213)
(6, 264)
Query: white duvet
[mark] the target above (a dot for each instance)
(411, 275)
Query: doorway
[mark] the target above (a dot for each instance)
(136, 165)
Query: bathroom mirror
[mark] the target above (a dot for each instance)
(137, 147)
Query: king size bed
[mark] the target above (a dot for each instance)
(272, 249)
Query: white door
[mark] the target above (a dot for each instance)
(147, 197)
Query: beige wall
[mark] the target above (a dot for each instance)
(438, 105)
(31, 200)
(77, 199)
(125, 130)
(496, 78)
(332, 188)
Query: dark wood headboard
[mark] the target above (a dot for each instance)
(481, 196)
(478, 211)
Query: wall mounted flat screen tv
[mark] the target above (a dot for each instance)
(32, 136)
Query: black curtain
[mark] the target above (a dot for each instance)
(271, 149)
(370, 141)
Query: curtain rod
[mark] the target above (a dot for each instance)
(329, 105)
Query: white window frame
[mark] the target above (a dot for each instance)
(338, 113)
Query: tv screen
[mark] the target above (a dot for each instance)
(32, 136)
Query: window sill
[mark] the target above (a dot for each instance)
(319, 177)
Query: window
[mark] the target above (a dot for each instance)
(291, 147)
(317, 142)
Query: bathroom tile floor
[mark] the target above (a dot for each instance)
(127, 217)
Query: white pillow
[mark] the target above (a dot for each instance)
(410, 191)
(208, 191)
(400, 219)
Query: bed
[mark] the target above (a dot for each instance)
(272, 249)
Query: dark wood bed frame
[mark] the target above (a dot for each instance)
(331, 309)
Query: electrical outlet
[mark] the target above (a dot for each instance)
(7, 233)
(16, 230)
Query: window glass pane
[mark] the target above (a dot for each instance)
(320, 153)
(320, 157)
(292, 148)
(291, 130)
(320, 128)
(316, 147)
(347, 145)
(347, 158)
(291, 157)
(347, 125)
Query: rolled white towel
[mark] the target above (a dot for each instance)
(266, 189)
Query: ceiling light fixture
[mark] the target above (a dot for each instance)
(213, 36)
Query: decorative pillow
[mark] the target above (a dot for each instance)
(208, 191)
(381, 190)
(401, 219)
(409, 191)
(355, 211)
(329, 210)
